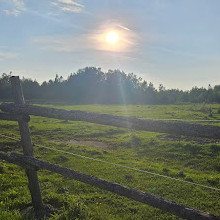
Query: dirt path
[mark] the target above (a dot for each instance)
(96, 144)
(198, 140)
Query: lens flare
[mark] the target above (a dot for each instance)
(112, 37)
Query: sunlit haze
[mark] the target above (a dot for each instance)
(112, 37)
(176, 43)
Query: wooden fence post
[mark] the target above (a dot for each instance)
(27, 145)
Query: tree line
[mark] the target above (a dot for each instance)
(93, 86)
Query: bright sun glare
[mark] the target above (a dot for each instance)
(112, 37)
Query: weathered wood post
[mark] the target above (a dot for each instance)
(27, 145)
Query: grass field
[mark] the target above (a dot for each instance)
(196, 160)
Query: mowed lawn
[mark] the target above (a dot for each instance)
(195, 160)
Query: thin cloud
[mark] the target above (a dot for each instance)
(82, 42)
(174, 51)
(71, 9)
(68, 6)
(13, 12)
(92, 39)
(15, 7)
(7, 55)
(70, 2)
(123, 27)
(19, 4)
(63, 43)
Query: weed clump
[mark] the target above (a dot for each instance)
(60, 159)
(215, 149)
(62, 190)
(1, 169)
(213, 181)
(128, 177)
(181, 174)
(65, 121)
(135, 141)
(192, 148)
(165, 170)
(189, 179)
(74, 210)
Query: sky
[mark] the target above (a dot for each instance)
(171, 42)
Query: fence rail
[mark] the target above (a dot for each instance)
(131, 193)
(195, 130)
(14, 117)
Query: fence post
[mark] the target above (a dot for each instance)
(27, 145)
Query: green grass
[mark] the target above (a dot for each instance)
(193, 111)
(185, 160)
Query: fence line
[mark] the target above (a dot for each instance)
(131, 193)
(119, 165)
(31, 164)
(187, 129)
(179, 119)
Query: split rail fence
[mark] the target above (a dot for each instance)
(20, 112)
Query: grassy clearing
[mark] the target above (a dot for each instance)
(193, 111)
(186, 160)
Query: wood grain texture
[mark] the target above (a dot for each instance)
(27, 145)
(14, 117)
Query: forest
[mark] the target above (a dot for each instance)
(91, 85)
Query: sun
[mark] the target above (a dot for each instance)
(112, 37)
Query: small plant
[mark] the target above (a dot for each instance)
(213, 181)
(165, 170)
(74, 210)
(61, 159)
(189, 179)
(128, 177)
(181, 174)
(215, 149)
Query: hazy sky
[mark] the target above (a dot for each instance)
(173, 42)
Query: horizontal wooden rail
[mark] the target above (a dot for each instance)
(143, 197)
(14, 117)
(185, 129)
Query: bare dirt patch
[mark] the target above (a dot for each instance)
(198, 140)
(96, 144)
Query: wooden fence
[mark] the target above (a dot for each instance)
(20, 112)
